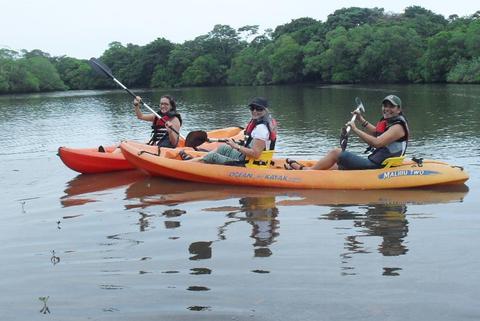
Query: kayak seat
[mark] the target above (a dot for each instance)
(393, 161)
(263, 161)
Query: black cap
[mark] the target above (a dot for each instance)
(259, 102)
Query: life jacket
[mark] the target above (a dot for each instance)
(271, 124)
(160, 135)
(394, 149)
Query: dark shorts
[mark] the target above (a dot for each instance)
(349, 161)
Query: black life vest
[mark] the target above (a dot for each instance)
(271, 124)
(160, 135)
(394, 149)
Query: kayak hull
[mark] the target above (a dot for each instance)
(408, 175)
(91, 161)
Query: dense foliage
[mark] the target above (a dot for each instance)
(354, 45)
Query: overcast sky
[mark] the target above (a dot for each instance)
(84, 28)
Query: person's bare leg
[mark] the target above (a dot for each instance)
(329, 161)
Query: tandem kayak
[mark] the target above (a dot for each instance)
(409, 174)
(91, 161)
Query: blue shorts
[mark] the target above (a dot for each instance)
(348, 160)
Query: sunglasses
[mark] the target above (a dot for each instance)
(257, 108)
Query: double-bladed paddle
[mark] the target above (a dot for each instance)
(346, 130)
(102, 69)
(193, 139)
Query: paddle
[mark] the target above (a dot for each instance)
(346, 130)
(102, 69)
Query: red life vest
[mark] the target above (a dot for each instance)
(381, 127)
(268, 121)
(159, 131)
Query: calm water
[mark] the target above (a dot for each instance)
(127, 247)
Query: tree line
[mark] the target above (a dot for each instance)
(354, 45)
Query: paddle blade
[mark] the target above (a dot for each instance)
(196, 138)
(360, 105)
(100, 68)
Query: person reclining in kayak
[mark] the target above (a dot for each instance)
(260, 135)
(388, 138)
(165, 129)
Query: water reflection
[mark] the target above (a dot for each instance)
(261, 213)
(82, 184)
(379, 219)
(387, 221)
(200, 250)
(153, 191)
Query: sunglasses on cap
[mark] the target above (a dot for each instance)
(257, 108)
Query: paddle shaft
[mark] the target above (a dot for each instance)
(345, 131)
(353, 119)
(99, 66)
(144, 104)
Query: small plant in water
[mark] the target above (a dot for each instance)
(54, 259)
(45, 308)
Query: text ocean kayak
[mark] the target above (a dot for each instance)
(91, 161)
(407, 175)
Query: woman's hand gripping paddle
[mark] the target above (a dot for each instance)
(102, 69)
(346, 130)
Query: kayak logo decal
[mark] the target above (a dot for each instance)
(407, 172)
(270, 177)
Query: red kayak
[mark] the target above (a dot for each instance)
(92, 161)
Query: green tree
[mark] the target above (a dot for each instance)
(161, 77)
(153, 56)
(472, 38)
(19, 79)
(302, 30)
(181, 57)
(247, 31)
(286, 60)
(44, 72)
(124, 63)
(425, 22)
(391, 55)
(338, 62)
(75, 73)
(244, 67)
(441, 55)
(312, 51)
(205, 70)
(467, 71)
(353, 17)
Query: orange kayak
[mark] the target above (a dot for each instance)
(409, 174)
(91, 161)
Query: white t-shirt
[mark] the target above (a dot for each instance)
(261, 132)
